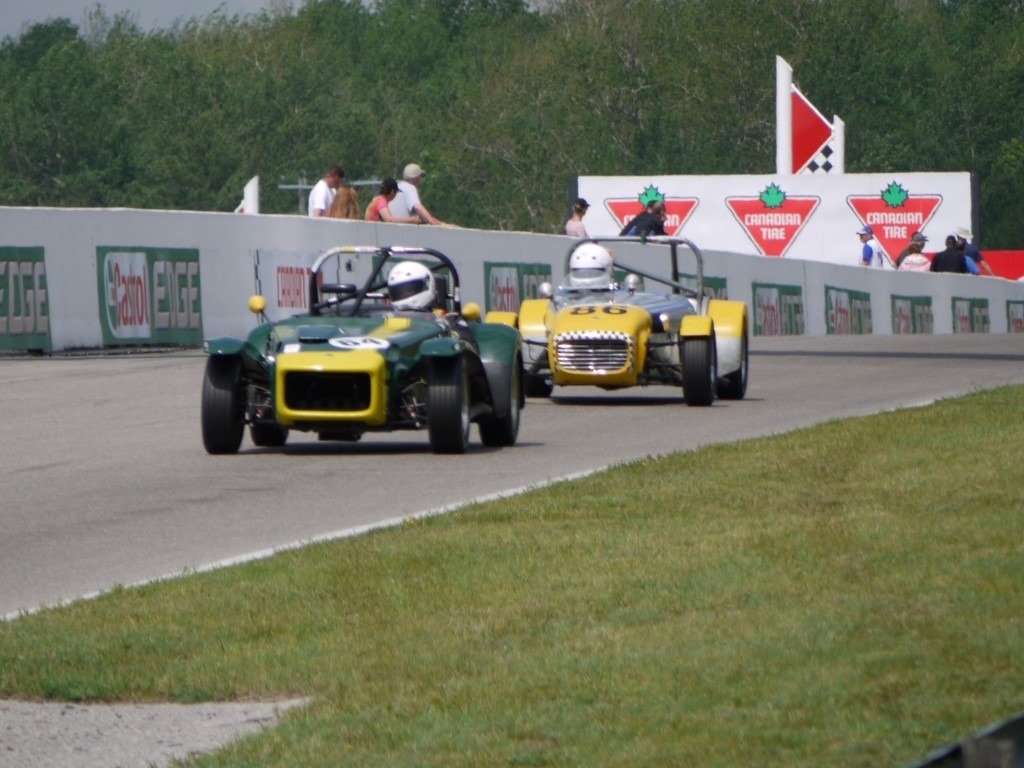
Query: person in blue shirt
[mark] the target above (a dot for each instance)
(871, 254)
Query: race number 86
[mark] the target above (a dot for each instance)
(610, 309)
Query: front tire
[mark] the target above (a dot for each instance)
(448, 406)
(222, 415)
(498, 433)
(699, 370)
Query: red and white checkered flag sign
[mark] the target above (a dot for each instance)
(805, 142)
(811, 136)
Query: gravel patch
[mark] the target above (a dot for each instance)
(63, 735)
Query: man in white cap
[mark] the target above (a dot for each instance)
(407, 202)
(963, 236)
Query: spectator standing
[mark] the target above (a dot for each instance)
(871, 252)
(950, 260)
(407, 203)
(574, 226)
(650, 222)
(912, 259)
(963, 235)
(378, 209)
(322, 194)
(916, 245)
(346, 204)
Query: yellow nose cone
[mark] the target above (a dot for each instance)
(257, 304)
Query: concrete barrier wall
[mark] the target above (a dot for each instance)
(82, 279)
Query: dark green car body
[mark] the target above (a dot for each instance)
(354, 365)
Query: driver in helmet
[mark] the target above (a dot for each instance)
(591, 267)
(411, 287)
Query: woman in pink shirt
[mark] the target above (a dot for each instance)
(378, 210)
(574, 226)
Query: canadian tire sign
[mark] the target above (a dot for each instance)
(895, 214)
(773, 219)
(807, 216)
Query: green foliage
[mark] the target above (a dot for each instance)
(29, 50)
(503, 104)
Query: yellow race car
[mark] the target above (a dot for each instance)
(602, 328)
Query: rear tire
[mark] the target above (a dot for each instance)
(497, 433)
(448, 406)
(538, 386)
(733, 386)
(222, 416)
(268, 435)
(699, 374)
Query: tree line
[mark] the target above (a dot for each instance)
(503, 102)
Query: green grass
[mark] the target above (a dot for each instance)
(845, 595)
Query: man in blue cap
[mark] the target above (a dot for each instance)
(871, 254)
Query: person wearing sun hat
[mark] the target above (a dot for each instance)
(963, 238)
(407, 202)
(871, 252)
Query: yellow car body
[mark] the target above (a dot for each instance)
(621, 336)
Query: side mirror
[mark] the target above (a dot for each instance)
(257, 304)
(545, 290)
(471, 312)
(336, 288)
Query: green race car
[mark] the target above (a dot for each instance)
(398, 352)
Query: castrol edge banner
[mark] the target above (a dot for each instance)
(149, 295)
(24, 300)
(508, 284)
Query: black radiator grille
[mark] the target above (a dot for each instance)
(305, 391)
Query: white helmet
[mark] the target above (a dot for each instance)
(411, 286)
(590, 266)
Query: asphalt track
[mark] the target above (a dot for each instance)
(104, 480)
